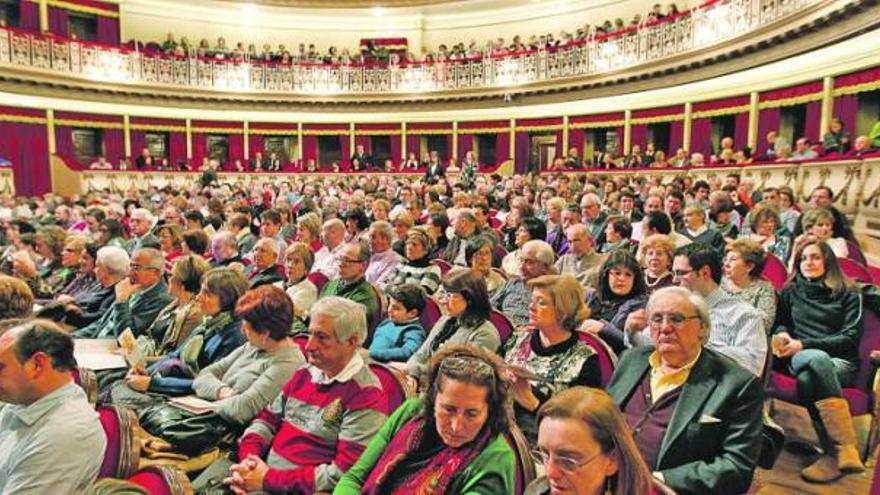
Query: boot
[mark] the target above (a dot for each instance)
(839, 426)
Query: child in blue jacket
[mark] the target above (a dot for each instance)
(401, 334)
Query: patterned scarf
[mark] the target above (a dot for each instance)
(435, 476)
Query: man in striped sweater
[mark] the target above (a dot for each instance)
(323, 419)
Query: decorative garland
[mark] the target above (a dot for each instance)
(597, 124)
(787, 102)
(483, 130)
(857, 88)
(538, 128)
(426, 132)
(218, 130)
(159, 128)
(80, 8)
(94, 124)
(327, 132)
(720, 111)
(22, 119)
(272, 132)
(658, 119)
(378, 132)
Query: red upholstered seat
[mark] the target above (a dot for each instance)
(502, 324)
(443, 264)
(855, 253)
(110, 423)
(430, 315)
(393, 384)
(855, 270)
(162, 480)
(317, 278)
(122, 451)
(301, 340)
(607, 358)
(775, 272)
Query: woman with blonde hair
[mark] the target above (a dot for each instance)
(308, 230)
(655, 256)
(548, 356)
(587, 448)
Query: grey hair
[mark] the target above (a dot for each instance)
(349, 318)
(114, 259)
(334, 223)
(156, 258)
(696, 301)
(543, 251)
(384, 228)
(225, 238)
(364, 251)
(143, 213)
(591, 198)
(272, 244)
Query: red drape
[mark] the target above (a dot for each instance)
(345, 148)
(236, 148)
(108, 30)
(856, 78)
(58, 21)
(741, 130)
(559, 151)
(139, 142)
(676, 136)
(502, 147)
(619, 132)
(448, 148)
(768, 120)
(199, 149)
(28, 17)
(255, 145)
(396, 159)
(413, 145)
(465, 144)
(176, 147)
(114, 145)
(576, 140)
(365, 141)
(639, 135)
(812, 121)
(521, 153)
(64, 142)
(27, 147)
(701, 136)
(310, 147)
(846, 108)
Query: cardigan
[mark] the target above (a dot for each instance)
(485, 335)
(493, 471)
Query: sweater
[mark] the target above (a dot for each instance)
(396, 341)
(809, 312)
(492, 471)
(253, 374)
(485, 335)
(360, 292)
(421, 273)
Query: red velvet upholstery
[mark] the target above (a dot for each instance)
(855, 270)
(319, 279)
(301, 340)
(153, 481)
(607, 358)
(395, 390)
(855, 253)
(775, 272)
(110, 423)
(444, 266)
(502, 324)
(430, 315)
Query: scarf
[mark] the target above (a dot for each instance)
(191, 350)
(434, 476)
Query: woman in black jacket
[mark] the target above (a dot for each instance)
(818, 327)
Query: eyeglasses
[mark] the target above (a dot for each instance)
(674, 319)
(566, 464)
(349, 260)
(135, 267)
(681, 273)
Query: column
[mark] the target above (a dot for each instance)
(350, 139)
(565, 131)
(189, 141)
(403, 150)
(299, 142)
(246, 138)
(627, 132)
(754, 114)
(827, 104)
(126, 134)
(44, 16)
(455, 140)
(688, 118)
(511, 147)
(50, 130)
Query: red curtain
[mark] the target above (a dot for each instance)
(114, 145)
(28, 17)
(310, 147)
(139, 142)
(676, 136)
(256, 144)
(559, 151)
(108, 30)
(768, 120)
(413, 145)
(741, 130)
(812, 121)
(576, 140)
(861, 77)
(701, 136)
(64, 142)
(521, 153)
(502, 147)
(199, 149)
(639, 135)
(465, 144)
(345, 148)
(58, 21)
(396, 159)
(176, 147)
(27, 147)
(448, 147)
(236, 148)
(365, 141)
(846, 108)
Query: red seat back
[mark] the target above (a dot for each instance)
(855, 270)
(319, 279)
(502, 324)
(162, 480)
(393, 384)
(855, 253)
(430, 315)
(869, 341)
(775, 272)
(301, 340)
(443, 265)
(607, 358)
(122, 451)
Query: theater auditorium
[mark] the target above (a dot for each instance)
(428, 247)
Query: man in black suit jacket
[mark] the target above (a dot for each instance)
(256, 163)
(265, 269)
(365, 160)
(434, 170)
(696, 415)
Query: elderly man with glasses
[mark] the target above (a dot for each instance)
(352, 283)
(139, 298)
(695, 415)
(514, 297)
(142, 223)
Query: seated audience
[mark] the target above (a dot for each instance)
(548, 357)
(743, 265)
(802, 151)
(195, 241)
(326, 414)
(816, 338)
(308, 231)
(513, 299)
(264, 270)
(351, 284)
(451, 438)
(818, 224)
(142, 223)
(239, 225)
(478, 256)
(621, 291)
(327, 258)
(16, 298)
(863, 147)
(586, 447)
(555, 229)
(302, 292)
(789, 214)
(138, 298)
(55, 270)
(695, 415)
(111, 265)
(465, 320)
(224, 250)
(698, 231)
(581, 261)
(384, 260)
(464, 228)
(656, 253)
(170, 243)
(417, 269)
(51, 440)
(530, 228)
(401, 334)
(617, 235)
(765, 224)
(836, 140)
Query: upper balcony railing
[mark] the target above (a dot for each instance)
(701, 27)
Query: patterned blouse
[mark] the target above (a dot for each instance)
(760, 294)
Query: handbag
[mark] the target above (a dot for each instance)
(188, 433)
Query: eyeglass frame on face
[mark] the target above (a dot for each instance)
(348, 260)
(566, 464)
(676, 320)
(136, 267)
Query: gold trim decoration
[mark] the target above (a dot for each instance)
(218, 130)
(720, 111)
(22, 119)
(377, 132)
(483, 130)
(272, 132)
(159, 128)
(538, 128)
(787, 102)
(598, 124)
(73, 7)
(426, 132)
(94, 124)
(658, 119)
(857, 88)
(326, 132)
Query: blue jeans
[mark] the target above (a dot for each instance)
(820, 376)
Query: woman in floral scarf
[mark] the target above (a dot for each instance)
(450, 440)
